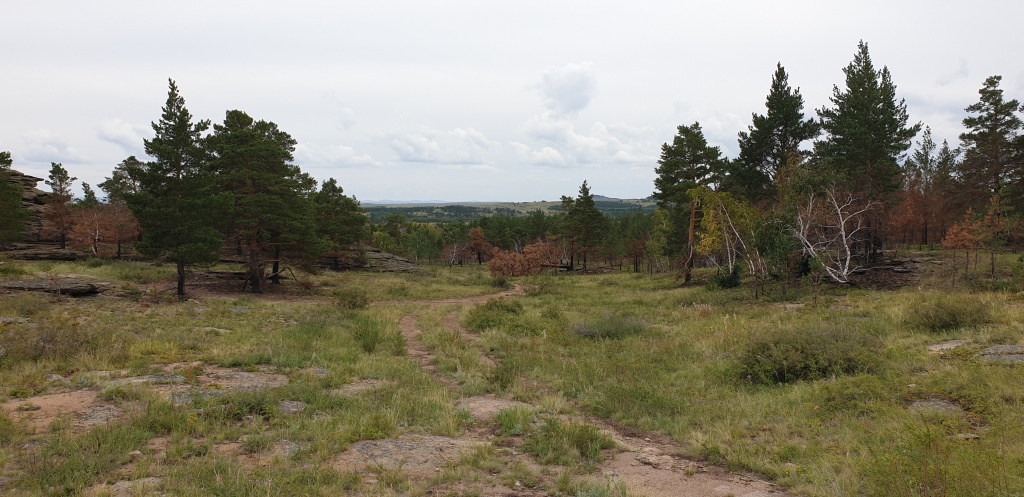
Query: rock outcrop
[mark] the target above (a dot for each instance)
(32, 200)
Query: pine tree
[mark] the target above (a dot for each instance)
(866, 131)
(689, 162)
(339, 218)
(12, 216)
(176, 204)
(268, 205)
(124, 179)
(992, 163)
(586, 225)
(57, 219)
(773, 140)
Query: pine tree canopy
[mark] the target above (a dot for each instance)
(992, 159)
(866, 130)
(773, 139)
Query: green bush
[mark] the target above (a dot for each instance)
(350, 298)
(514, 420)
(567, 444)
(494, 314)
(501, 282)
(612, 327)
(948, 312)
(808, 353)
(368, 334)
(54, 338)
(723, 280)
(11, 269)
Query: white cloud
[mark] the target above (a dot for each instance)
(562, 145)
(568, 89)
(546, 156)
(457, 146)
(42, 145)
(123, 134)
(332, 155)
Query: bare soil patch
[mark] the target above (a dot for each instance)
(485, 408)
(82, 407)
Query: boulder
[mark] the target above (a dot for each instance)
(66, 286)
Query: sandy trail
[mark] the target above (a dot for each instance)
(648, 463)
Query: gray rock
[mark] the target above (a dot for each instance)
(1013, 354)
(967, 436)
(839, 307)
(291, 406)
(936, 406)
(239, 310)
(940, 348)
(13, 320)
(66, 286)
(153, 379)
(1003, 350)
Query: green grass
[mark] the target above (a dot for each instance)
(826, 410)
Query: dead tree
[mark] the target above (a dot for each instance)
(828, 230)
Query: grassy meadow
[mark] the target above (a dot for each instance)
(823, 390)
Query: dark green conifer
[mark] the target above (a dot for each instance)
(176, 204)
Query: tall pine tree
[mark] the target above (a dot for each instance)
(269, 207)
(866, 131)
(689, 162)
(773, 140)
(992, 161)
(176, 204)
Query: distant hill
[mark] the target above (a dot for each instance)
(446, 212)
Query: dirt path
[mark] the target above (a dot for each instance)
(648, 463)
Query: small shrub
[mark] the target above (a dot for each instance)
(503, 377)
(350, 298)
(11, 269)
(25, 304)
(501, 282)
(567, 444)
(493, 314)
(612, 327)
(948, 313)
(53, 338)
(805, 353)
(514, 420)
(257, 443)
(368, 334)
(723, 280)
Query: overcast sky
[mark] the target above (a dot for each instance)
(473, 100)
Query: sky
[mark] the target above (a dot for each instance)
(472, 100)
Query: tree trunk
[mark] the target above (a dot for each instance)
(275, 279)
(181, 281)
(255, 274)
(688, 265)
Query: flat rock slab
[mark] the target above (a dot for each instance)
(291, 406)
(1004, 353)
(128, 488)
(66, 286)
(360, 386)
(936, 406)
(940, 348)
(412, 453)
(152, 379)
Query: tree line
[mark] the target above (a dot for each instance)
(234, 184)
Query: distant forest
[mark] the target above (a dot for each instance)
(471, 213)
